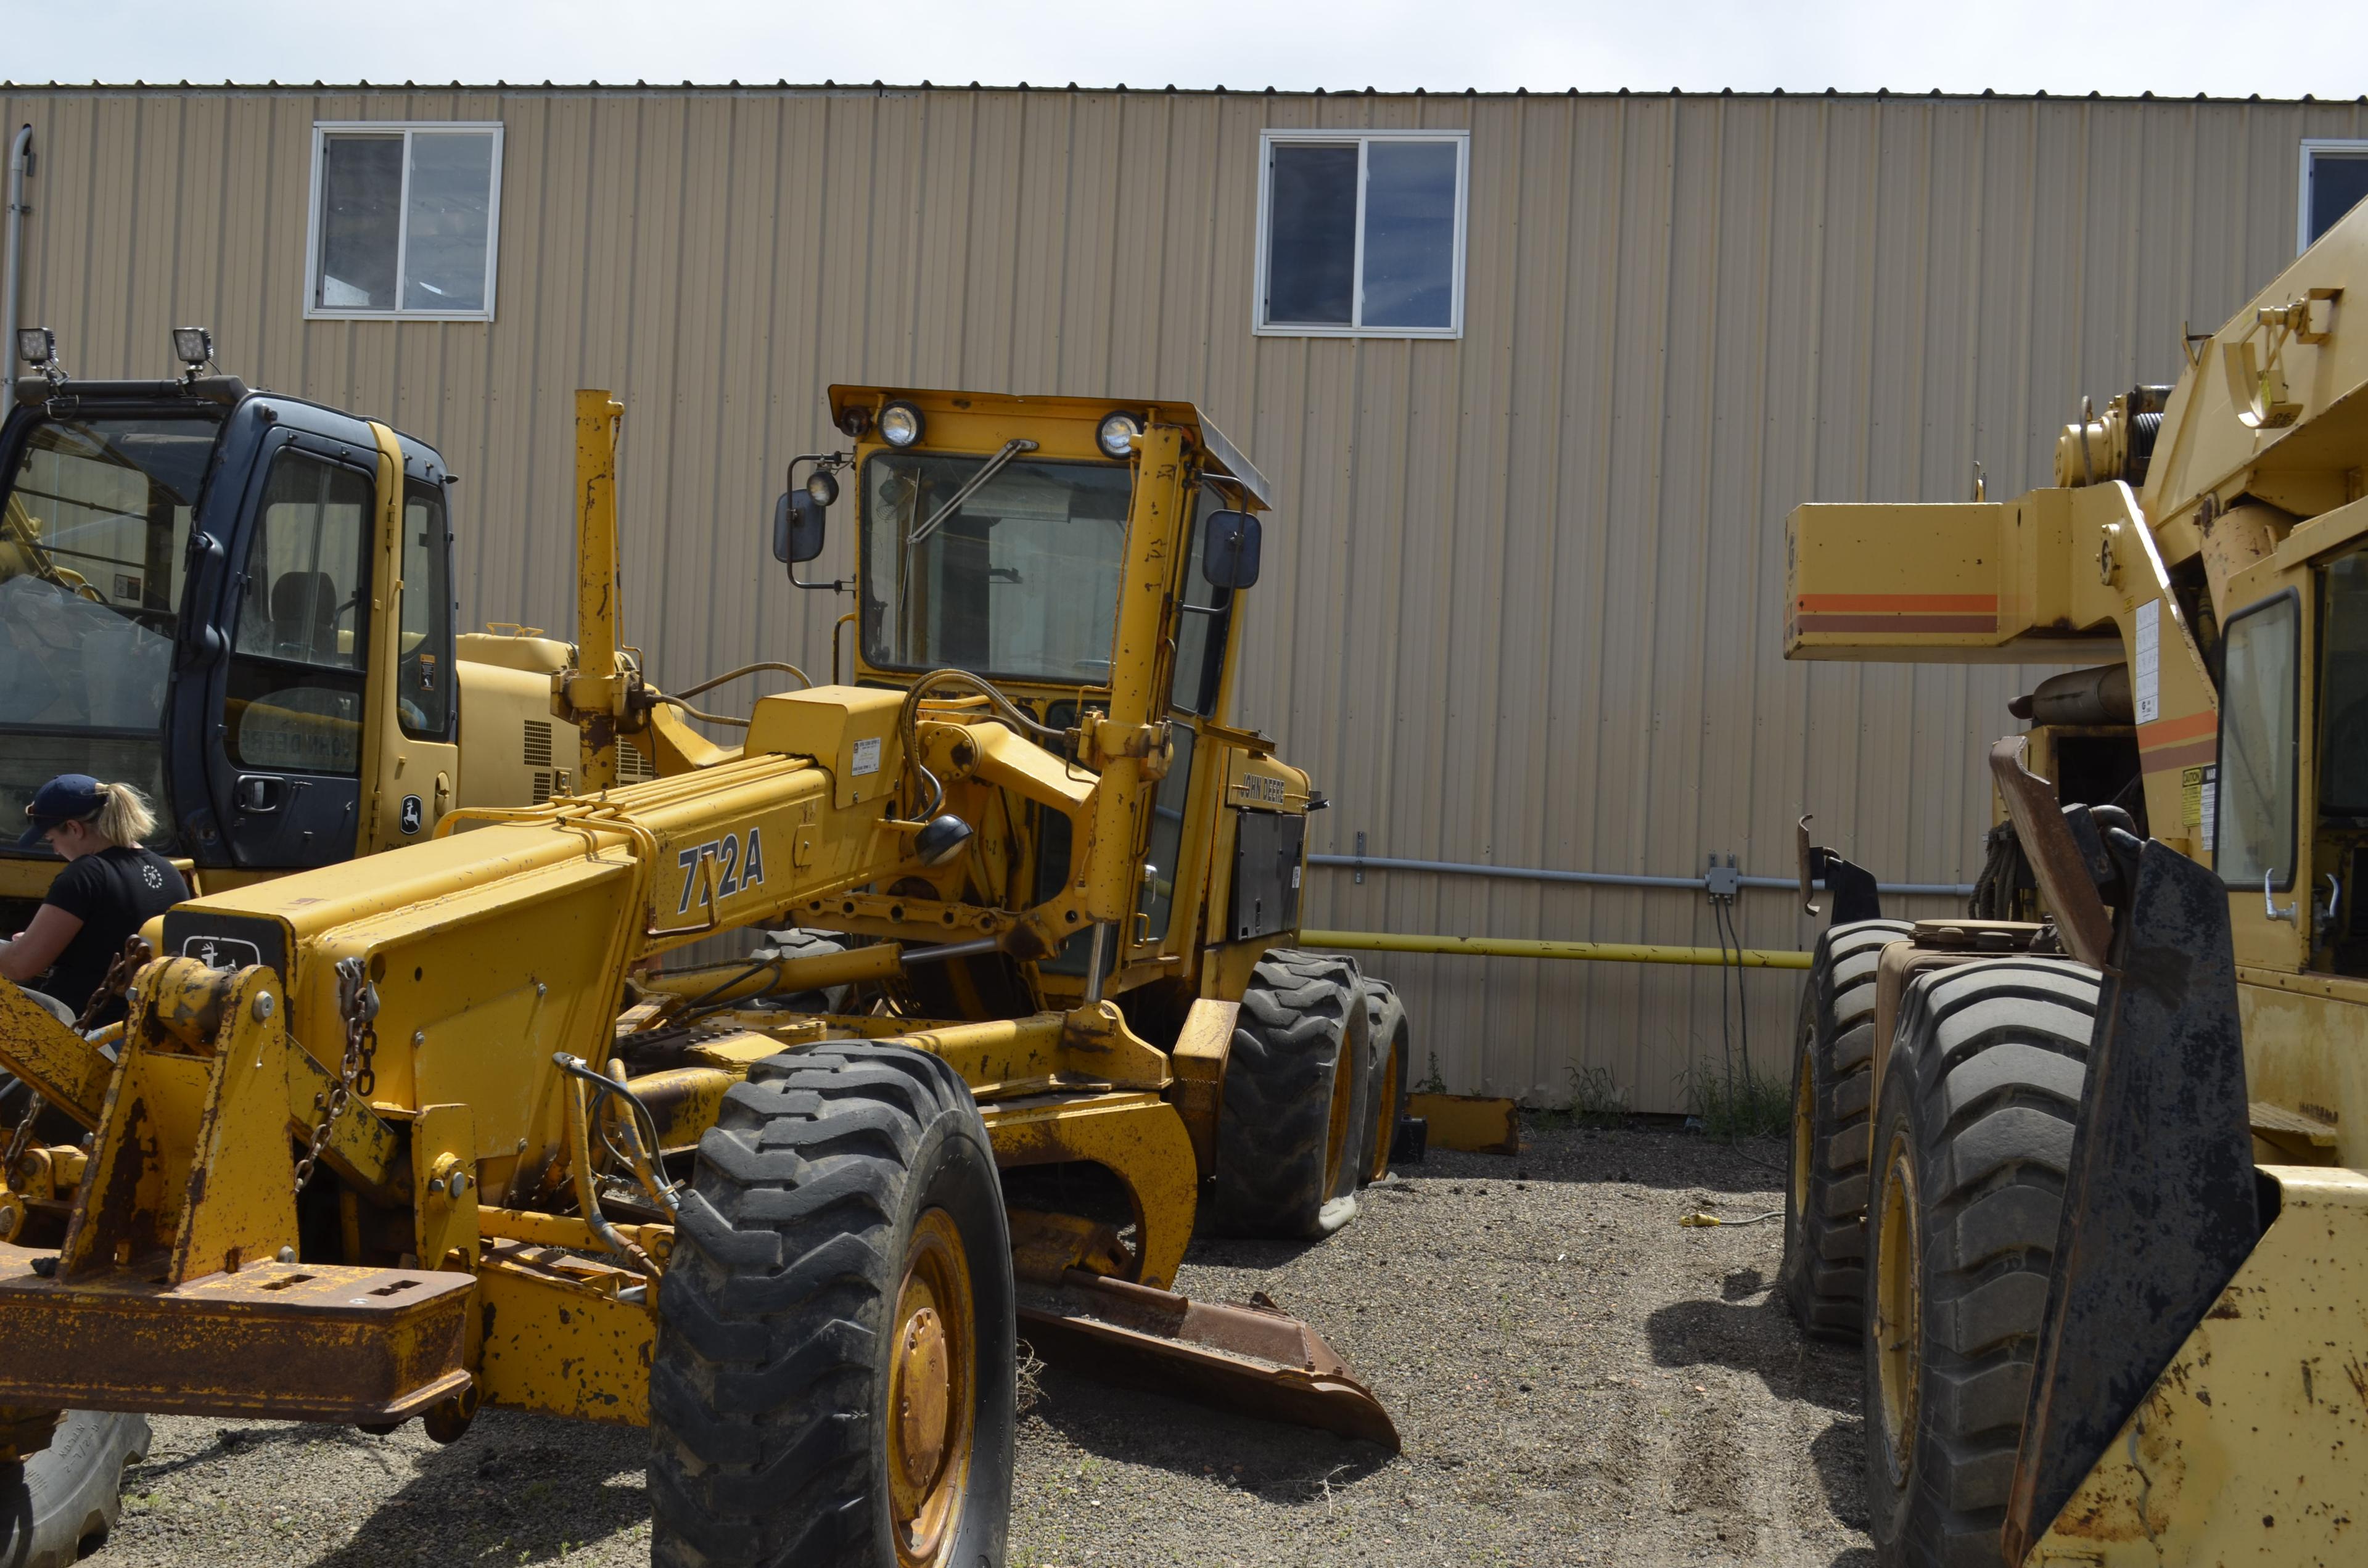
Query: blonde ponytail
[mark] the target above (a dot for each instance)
(125, 820)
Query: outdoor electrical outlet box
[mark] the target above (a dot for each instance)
(1723, 881)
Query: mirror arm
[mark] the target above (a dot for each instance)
(836, 585)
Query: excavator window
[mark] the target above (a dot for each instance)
(93, 536)
(423, 700)
(1019, 581)
(2258, 697)
(296, 680)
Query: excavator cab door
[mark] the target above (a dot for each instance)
(287, 696)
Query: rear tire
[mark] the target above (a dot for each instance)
(1290, 1136)
(1973, 1136)
(64, 1500)
(1385, 1095)
(834, 1380)
(1824, 1244)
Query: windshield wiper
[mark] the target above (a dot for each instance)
(992, 466)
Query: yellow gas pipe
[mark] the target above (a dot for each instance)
(1523, 948)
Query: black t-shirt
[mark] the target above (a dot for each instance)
(115, 892)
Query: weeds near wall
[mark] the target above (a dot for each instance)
(1739, 1101)
(1595, 1100)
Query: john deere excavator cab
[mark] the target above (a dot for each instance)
(240, 602)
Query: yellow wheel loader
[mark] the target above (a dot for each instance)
(2083, 1173)
(456, 1124)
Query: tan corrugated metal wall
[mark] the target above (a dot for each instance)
(1523, 602)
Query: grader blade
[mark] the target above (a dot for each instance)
(1255, 1359)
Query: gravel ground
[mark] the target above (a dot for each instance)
(1578, 1380)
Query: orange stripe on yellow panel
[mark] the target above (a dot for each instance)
(1889, 624)
(2166, 731)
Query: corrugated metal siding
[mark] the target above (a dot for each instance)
(1523, 602)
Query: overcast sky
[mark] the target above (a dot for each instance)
(2174, 48)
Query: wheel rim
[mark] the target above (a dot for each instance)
(932, 1392)
(1385, 1114)
(1804, 1143)
(1898, 1326)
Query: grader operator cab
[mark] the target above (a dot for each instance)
(2084, 1173)
(241, 602)
(439, 1127)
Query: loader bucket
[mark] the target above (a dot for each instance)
(1255, 1359)
(2160, 1205)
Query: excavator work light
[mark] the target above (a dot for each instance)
(36, 345)
(822, 487)
(900, 425)
(193, 345)
(1117, 433)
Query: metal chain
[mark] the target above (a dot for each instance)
(358, 1005)
(119, 974)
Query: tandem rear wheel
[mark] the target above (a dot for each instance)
(834, 1376)
(1834, 1046)
(1292, 1136)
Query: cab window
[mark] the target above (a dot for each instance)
(2255, 813)
(296, 685)
(422, 698)
(1204, 617)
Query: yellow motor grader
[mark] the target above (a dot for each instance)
(440, 1127)
(2084, 1172)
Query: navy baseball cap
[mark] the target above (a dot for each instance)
(70, 797)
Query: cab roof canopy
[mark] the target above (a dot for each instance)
(1061, 426)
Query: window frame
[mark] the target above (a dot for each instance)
(324, 128)
(2312, 146)
(2302, 655)
(1362, 140)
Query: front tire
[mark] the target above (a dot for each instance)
(834, 1380)
(1823, 1273)
(1973, 1138)
(63, 1500)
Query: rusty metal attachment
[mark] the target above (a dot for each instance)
(1253, 1358)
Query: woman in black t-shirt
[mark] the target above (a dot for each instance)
(110, 889)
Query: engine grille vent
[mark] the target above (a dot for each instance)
(537, 744)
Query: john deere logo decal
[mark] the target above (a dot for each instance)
(411, 814)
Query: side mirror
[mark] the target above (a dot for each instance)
(797, 528)
(1229, 549)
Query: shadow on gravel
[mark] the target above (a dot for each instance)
(1757, 1338)
(530, 1486)
(1649, 1156)
(1839, 1454)
(1291, 1465)
(234, 1441)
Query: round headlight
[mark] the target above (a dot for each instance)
(1117, 430)
(900, 425)
(822, 487)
